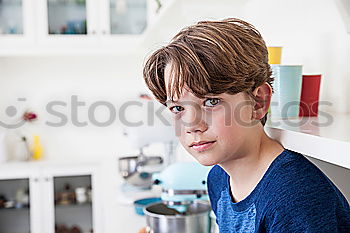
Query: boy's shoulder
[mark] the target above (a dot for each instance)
(293, 172)
(298, 189)
(294, 195)
(286, 164)
(290, 176)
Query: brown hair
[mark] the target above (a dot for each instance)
(211, 57)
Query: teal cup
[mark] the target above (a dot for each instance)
(287, 90)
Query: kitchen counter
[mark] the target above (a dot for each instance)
(324, 138)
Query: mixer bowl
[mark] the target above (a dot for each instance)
(161, 219)
(138, 170)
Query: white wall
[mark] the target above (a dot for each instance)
(311, 32)
(42, 80)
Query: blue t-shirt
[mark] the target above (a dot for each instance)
(293, 196)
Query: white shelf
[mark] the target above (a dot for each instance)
(325, 137)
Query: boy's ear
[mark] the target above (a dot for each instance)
(263, 95)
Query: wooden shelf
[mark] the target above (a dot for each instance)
(325, 137)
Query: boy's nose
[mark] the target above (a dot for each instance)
(195, 123)
(199, 128)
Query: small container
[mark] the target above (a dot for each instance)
(81, 195)
(310, 93)
(9, 204)
(37, 150)
(66, 197)
(274, 54)
(285, 100)
(22, 198)
(21, 150)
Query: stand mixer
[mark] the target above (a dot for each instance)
(184, 206)
(182, 184)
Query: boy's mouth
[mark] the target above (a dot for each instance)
(202, 145)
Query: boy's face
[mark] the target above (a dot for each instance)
(221, 123)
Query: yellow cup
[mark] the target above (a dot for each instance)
(275, 54)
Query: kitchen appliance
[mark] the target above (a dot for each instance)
(161, 220)
(185, 206)
(142, 203)
(137, 170)
(182, 183)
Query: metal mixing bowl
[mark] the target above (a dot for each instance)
(138, 170)
(162, 219)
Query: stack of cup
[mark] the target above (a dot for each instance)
(285, 100)
(294, 94)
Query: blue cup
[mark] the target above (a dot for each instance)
(287, 90)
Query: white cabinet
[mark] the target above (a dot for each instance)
(59, 196)
(71, 26)
(65, 24)
(16, 23)
(20, 217)
(91, 17)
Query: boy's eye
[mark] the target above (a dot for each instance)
(211, 102)
(176, 109)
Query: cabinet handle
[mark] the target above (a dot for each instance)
(104, 32)
(93, 32)
(36, 179)
(47, 179)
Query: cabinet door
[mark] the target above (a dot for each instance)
(16, 23)
(67, 21)
(124, 17)
(15, 214)
(70, 200)
(123, 24)
(21, 210)
(73, 202)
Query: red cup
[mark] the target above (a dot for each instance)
(310, 92)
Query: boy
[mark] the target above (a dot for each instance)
(215, 77)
